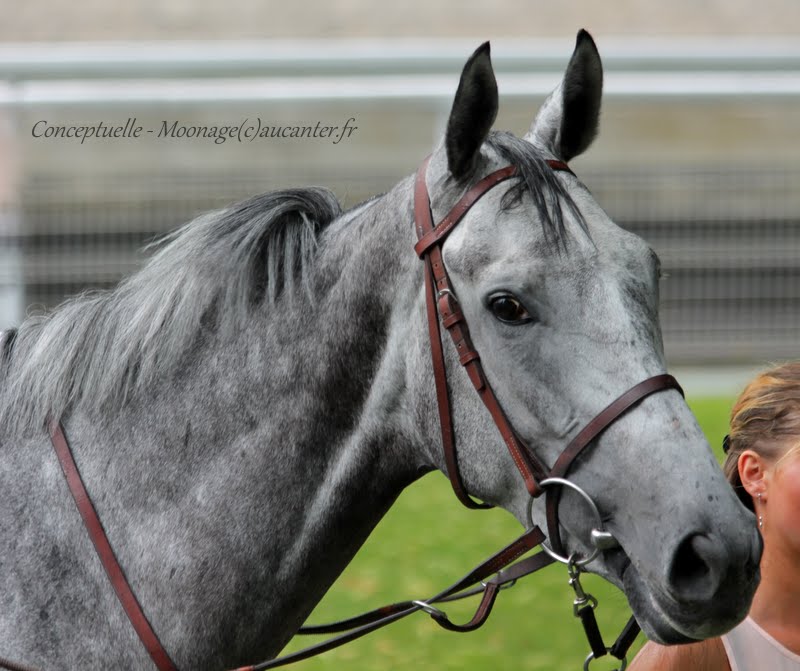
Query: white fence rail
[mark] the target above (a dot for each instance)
(219, 73)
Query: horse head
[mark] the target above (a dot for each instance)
(562, 307)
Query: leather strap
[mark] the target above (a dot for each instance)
(361, 625)
(443, 396)
(432, 235)
(592, 631)
(440, 300)
(626, 638)
(104, 551)
(620, 647)
(504, 577)
(433, 265)
(588, 434)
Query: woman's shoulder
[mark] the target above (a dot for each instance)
(701, 656)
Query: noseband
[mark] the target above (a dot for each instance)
(442, 303)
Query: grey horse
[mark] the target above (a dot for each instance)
(247, 407)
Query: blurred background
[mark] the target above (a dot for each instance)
(697, 152)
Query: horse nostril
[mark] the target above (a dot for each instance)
(695, 571)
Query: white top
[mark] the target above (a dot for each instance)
(750, 648)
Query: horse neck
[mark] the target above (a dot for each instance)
(329, 412)
(353, 339)
(295, 427)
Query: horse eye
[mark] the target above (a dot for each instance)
(509, 310)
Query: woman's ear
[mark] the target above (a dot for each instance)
(753, 473)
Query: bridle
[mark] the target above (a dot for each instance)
(441, 302)
(500, 570)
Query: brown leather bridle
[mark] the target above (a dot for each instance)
(441, 303)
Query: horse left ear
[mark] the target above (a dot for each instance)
(567, 123)
(473, 113)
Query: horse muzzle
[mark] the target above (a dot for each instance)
(705, 588)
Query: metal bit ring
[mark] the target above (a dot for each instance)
(599, 528)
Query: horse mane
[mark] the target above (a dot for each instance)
(100, 347)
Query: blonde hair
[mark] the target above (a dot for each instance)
(766, 420)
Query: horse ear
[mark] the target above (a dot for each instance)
(473, 113)
(567, 123)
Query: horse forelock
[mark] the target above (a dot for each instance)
(538, 180)
(99, 348)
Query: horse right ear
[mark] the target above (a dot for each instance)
(473, 113)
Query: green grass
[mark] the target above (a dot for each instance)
(427, 542)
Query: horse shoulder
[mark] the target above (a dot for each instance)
(708, 655)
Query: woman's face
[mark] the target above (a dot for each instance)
(782, 509)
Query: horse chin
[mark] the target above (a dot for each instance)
(668, 622)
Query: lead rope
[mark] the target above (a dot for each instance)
(506, 573)
(583, 607)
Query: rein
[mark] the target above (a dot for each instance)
(500, 570)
